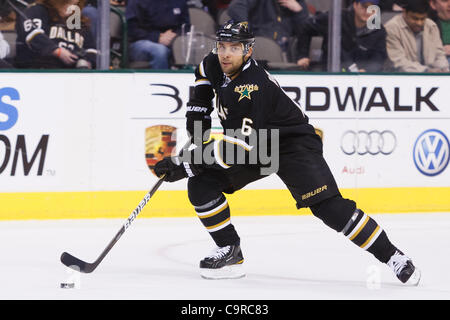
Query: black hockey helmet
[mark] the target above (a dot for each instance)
(235, 32)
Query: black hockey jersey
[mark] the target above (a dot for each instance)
(38, 36)
(250, 102)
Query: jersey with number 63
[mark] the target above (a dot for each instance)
(250, 102)
(38, 35)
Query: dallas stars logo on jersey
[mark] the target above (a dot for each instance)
(245, 90)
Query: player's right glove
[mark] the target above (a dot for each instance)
(173, 169)
(198, 121)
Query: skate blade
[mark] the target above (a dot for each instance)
(415, 278)
(235, 271)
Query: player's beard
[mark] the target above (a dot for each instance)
(231, 68)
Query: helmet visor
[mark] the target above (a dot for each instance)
(232, 48)
(235, 47)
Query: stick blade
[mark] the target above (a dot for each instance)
(76, 264)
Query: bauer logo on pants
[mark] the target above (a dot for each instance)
(160, 142)
(314, 192)
(431, 152)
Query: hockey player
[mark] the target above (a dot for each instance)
(250, 100)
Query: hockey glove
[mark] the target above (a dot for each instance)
(198, 121)
(174, 169)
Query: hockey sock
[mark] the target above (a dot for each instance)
(215, 216)
(365, 232)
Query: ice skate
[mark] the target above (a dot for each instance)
(223, 263)
(404, 269)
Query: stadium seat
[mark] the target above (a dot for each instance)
(388, 15)
(315, 49)
(267, 49)
(202, 21)
(269, 53)
(321, 5)
(223, 17)
(190, 51)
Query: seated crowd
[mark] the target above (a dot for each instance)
(415, 38)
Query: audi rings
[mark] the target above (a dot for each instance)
(371, 142)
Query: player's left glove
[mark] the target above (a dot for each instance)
(174, 169)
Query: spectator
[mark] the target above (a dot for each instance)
(219, 6)
(90, 11)
(413, 41)
(8, 13)
(397, 5)
(7, 22)
(362, 49)
(441, 16)
(213, 7)
(4, 51)
(152, 27)
(277, 19)
(50, 37)
(7, 7)
(387, 5)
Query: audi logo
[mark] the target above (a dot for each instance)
(368, 142)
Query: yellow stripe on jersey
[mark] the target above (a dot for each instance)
(238, 142)
(33, 34)
(202, 81)
(217, 155)
(201, 69)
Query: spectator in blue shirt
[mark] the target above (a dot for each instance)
(275, 19)
(152, 27)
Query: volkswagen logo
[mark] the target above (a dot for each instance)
(431, 152)
(368, 142)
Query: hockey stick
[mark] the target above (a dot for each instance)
(85, 267)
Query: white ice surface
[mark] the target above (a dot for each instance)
(286, 257)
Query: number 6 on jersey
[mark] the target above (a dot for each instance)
(246, 129)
